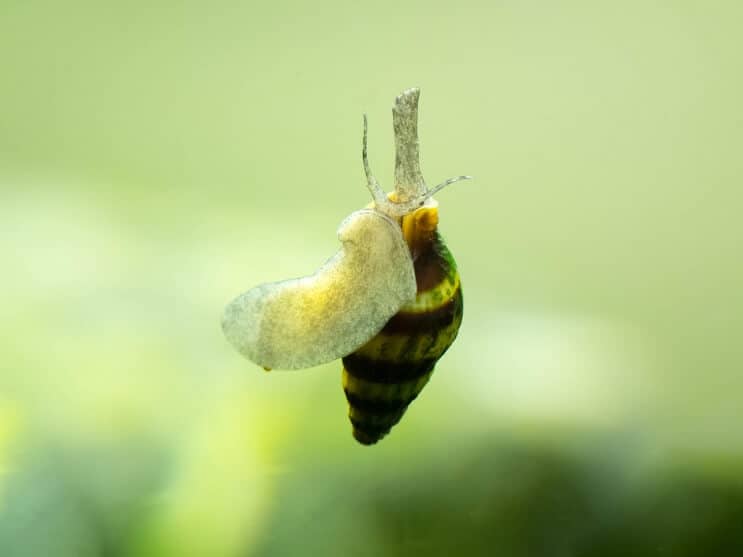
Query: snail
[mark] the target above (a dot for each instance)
(389, 302)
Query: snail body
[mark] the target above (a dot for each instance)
(304, 322)
(389, 302)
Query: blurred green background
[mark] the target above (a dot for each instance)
(158, 158)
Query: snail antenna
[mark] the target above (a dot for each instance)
(375, 189)
(433, 191)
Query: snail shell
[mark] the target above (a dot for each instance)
(386, 374)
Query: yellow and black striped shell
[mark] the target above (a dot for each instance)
(387, 373)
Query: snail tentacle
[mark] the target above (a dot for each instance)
(375, 189)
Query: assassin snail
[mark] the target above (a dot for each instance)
(389, 302)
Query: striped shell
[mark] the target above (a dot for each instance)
(387, 373)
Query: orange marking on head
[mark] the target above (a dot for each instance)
(418, 228)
